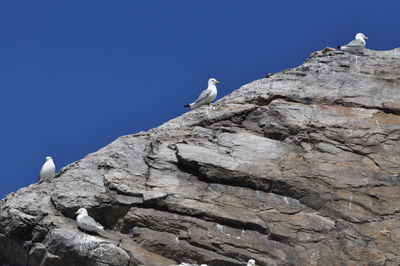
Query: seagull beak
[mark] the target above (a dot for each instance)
(365, 37)
(217, 81)
(76, 212)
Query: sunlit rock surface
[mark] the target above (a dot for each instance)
(299, 168)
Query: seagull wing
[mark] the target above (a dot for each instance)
(44, 168)
(89, 223)
(355, 43)
(204, 95)
(41, 171)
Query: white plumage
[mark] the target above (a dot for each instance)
(251, 262)
(48, 170)
(87, 223)
(355, 46)
(206, 96)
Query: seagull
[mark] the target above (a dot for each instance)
(207, 96)
(87, 223)
(251, 262)
(48, 170)
(355, 46)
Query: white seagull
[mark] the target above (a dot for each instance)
(207, 96)
(251, 262)
(355, 46)
(87, 223)
(48, 170)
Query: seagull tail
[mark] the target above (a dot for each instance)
(187, 105)
(338, 47)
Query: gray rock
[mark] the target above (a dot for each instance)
(74, 248)
(299, 168)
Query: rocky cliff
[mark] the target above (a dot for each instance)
(299, 168)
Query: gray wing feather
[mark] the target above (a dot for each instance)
(203, 95)
(90, 222)
(355, 43)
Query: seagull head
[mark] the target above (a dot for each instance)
(82, 211)
(251, 262)
(361, 36)
(212, 81)
(48, 158)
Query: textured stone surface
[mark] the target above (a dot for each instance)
(299, 168)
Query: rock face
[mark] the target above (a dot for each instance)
(299, 168)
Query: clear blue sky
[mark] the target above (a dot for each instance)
(75, 75)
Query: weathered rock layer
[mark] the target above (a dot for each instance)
(299, 168)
